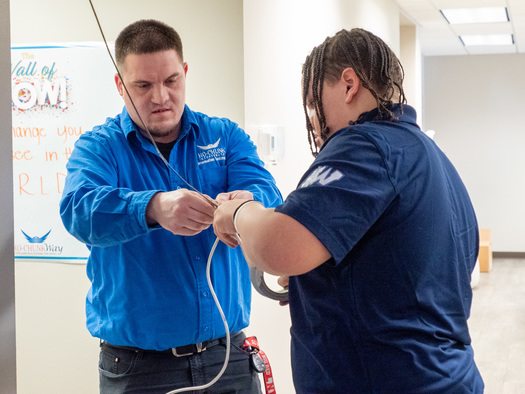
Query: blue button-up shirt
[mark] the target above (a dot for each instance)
(149, 286)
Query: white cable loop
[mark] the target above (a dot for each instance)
(227, 358)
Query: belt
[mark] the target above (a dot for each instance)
(180, 351)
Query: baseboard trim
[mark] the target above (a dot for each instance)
(509, 255)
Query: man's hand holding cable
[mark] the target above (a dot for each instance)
(182, 211)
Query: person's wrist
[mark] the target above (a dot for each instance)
(238, 210)
(151, 220)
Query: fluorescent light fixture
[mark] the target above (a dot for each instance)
(487, 39)
(475, 15)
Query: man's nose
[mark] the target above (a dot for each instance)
(160, 94)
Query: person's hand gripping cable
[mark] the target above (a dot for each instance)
(182, 211)
(225, 227)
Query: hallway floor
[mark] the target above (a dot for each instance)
(497, 327)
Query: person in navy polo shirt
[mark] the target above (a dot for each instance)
(379, 239)
(149, 232)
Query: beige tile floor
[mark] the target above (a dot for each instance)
(497, 327)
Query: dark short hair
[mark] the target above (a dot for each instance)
(146, 36)
(375, 64)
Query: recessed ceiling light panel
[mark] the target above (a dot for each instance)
(475, 15)
(487, 39)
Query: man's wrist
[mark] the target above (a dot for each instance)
(151, 220)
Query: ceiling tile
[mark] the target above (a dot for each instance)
(439, 38)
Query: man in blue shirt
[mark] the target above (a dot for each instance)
(144, 211)
(379, 239)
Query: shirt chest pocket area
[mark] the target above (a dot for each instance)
(214, 180)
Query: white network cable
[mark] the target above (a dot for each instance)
(227, 358)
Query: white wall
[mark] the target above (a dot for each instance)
(55, 352)
(475, 104)
(278, 35)
(211, 33)
(411, 59)
(7, 274)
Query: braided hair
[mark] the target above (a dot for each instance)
(375, 64)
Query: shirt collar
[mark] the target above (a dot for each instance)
(188, 121)
(405, 113)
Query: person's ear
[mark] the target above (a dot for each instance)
(185, 68)
(118, 82)
(352, 82)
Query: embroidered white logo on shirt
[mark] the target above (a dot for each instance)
(211, 152)
(322, 175)
(210, 146)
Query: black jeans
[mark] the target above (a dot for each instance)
(136, 371)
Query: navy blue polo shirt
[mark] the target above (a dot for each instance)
(388, 312)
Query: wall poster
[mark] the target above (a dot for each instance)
(58, 91)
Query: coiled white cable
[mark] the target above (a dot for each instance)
(227, 357)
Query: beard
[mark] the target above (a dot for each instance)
(162, 132)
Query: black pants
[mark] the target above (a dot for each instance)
(137, 371)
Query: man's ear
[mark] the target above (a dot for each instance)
(118, 82)
(352, 82)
